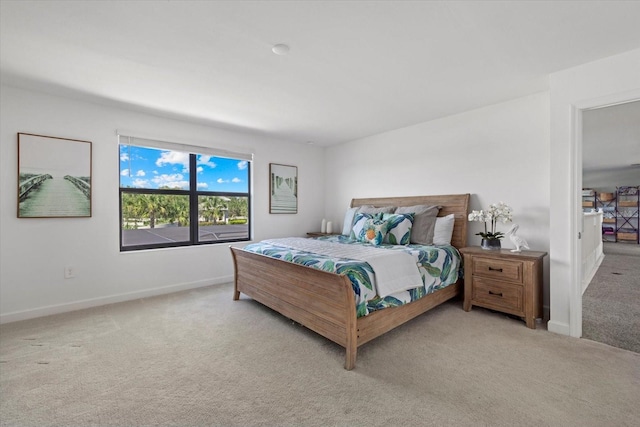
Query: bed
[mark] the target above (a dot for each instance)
(325, 302)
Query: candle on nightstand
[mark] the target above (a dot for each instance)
(323, 227)
(329, 227)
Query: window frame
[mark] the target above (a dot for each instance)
(193, 193)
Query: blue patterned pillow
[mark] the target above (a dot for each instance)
(358, 223)
(399, 228)
(373, 231)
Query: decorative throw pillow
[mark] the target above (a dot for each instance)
(398, 228)
(358, 223)
(424, 222)
(373, 231)
(443, 230)
(349, 216)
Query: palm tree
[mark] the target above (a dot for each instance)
(212, 206)
(177, 209)
(128, 210)
(238, 207)
(151, 205)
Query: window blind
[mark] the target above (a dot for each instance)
(130, 138)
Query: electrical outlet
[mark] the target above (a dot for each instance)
(69, 272)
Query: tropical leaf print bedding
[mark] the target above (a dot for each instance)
(439, 267)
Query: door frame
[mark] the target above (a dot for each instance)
(577, 226)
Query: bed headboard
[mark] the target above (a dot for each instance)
(457, 204)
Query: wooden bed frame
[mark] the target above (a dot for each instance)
(324, 302)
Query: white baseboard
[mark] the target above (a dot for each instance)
(558, 328)
(95, 302)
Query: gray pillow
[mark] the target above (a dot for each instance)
(424, 222)
(373, 210)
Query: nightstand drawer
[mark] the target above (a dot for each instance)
(498, 295)
(498, 269)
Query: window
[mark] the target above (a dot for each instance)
(175, 195)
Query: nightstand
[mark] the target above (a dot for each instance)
(505, 281)
(320, 234)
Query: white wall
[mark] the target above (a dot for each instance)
(496, 153)
(607, 81)
(35, 251)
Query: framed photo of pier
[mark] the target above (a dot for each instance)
(283, 187)
(54, 177)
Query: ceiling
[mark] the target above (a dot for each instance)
(355, 68)
(611, 139)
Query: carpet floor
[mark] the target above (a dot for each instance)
(611, 302)
(197, 358)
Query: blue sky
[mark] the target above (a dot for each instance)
(142, 167)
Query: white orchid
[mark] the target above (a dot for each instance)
(499, 212)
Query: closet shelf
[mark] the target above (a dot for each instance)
(621, 212)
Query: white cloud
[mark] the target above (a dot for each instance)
(173, 158)
(175, 180)
(222, 181)
(199, 169)
(124, 172)
(236, 180)
(206, 160)
(124, 156)
(140, 183)
(203, 185)
(243, 164)
(140, 173)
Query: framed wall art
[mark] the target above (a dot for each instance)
(283, 187)
(54, 177)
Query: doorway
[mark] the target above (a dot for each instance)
(610, 147)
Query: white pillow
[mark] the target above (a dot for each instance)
(348, 220)
(443, 230)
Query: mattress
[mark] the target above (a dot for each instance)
(438, 266)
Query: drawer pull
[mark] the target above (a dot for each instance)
(499, 294)
(499, 270)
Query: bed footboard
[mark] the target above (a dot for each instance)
(321, 301)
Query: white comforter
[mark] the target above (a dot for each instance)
(395, 271)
